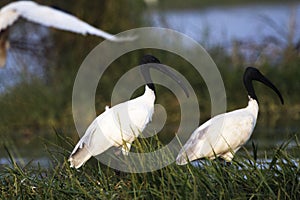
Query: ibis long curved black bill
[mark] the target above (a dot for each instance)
(152, 62)
(252, 73)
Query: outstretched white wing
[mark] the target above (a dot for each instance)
(50, 17)
(7, 18)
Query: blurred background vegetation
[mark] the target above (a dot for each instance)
(40, 102)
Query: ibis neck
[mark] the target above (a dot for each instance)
(253, 106)
(249, 87)
(151, 87)
(146, 74)
(149, 94)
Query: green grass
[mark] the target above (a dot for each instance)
(245, 178)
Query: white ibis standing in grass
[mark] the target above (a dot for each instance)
(224, 134)
(45, 16)
(121, 124)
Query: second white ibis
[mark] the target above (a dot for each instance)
(223, 135)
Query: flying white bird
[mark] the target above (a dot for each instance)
(45, 16)
(121, 124)
(224, 134)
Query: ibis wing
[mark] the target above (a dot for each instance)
(7, 18)
(51, 17)
(94, 140)
(196, 142)
(119, 124)
(220, 135)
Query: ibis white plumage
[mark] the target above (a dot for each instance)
(121, 124)
(48, 17)
(224, 134)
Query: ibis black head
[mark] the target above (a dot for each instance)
(149, 61)
(252, 73)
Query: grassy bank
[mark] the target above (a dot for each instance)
(278, 177)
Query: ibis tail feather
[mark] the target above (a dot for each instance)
(79, 157)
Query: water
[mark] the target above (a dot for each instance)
(221, 25)
(260, 164)
(27, 55)
(43, 162)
